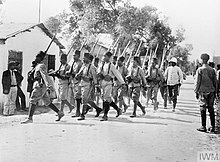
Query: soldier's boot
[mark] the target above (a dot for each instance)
(212, 121)
(142, 107)
(30, 114)
(78, 103)
(174, 105)
(106, 107)
(98, 109)
(54, 108)
(134, 110)
(203, 120)
(84, 109)
(119, 112)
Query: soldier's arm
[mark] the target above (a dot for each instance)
(197, 81)
(117, 74)
(43, 72)
(93, 75)
(143, 77)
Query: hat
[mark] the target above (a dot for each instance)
(204, 56)
(86, 55)
(12, 63)
(96, 59)
(33, 64)
(77, 52)
(137, 59)
(108, 54)
(41, 54)
(173, 59)
(91, 57)
(63, 56)
(122, 58)
(115, 57)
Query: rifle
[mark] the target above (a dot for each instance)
(94, 46)
(164, 53)
(145, 58)
(50, 43)
(116, 50)
(97, 55)
(156, 49)
(125, 48)
(136, 54)
(70, 50)
(83, 45)
(111, 48)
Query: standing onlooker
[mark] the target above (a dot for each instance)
(20, 94)
(205, 89)
(10, 81)
(174, 77)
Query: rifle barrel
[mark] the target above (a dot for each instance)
(50, 43)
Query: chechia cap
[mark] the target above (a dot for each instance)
(204, 56)
(173, 59)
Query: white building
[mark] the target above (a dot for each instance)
(21, 42)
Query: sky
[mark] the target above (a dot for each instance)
(200, 18)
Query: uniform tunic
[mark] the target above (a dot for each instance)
(88, 80)
(137, 79)
(76, 89)
(109, 71)
(40, 85)
(63, 83)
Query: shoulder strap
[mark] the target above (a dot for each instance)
(109, 67)
(88, 70)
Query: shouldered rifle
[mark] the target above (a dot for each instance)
(50, 43)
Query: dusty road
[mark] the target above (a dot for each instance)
(161, 136)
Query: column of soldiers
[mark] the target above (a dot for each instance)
(90, 81)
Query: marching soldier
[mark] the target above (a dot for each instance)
(107, 72)
(76, 89)
(40, 89)
(88, 78)
(97, 90)
(154, 76)
(63, 82)
(135, 79)
(119, 92)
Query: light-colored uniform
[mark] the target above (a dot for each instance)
(109, 72)
(88, 79)
(40, 85)
(63, 83)
(74, 83)
(137, 79)
(9, 104)
(118, 91)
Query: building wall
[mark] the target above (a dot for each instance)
(30, 43)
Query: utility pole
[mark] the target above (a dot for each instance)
(39, 11)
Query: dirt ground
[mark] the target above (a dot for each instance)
(162, 136)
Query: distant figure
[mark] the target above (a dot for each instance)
(174, 77)
(10, 81)
(205, 89)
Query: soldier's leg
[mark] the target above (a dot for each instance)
(78, 96)
(154, 96)
(175, 94)
(98, 109)
(210, 107)
(107, 90)
(203, 105)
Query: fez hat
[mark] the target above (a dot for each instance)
(108, 54)
(204, 56)
(173, 59)
(91, 57)
(122, 58)
(33, 64)
(96, 59)
(63, 56)
(137, 59)
(41, 54)
(115, 57)
(77, 52)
